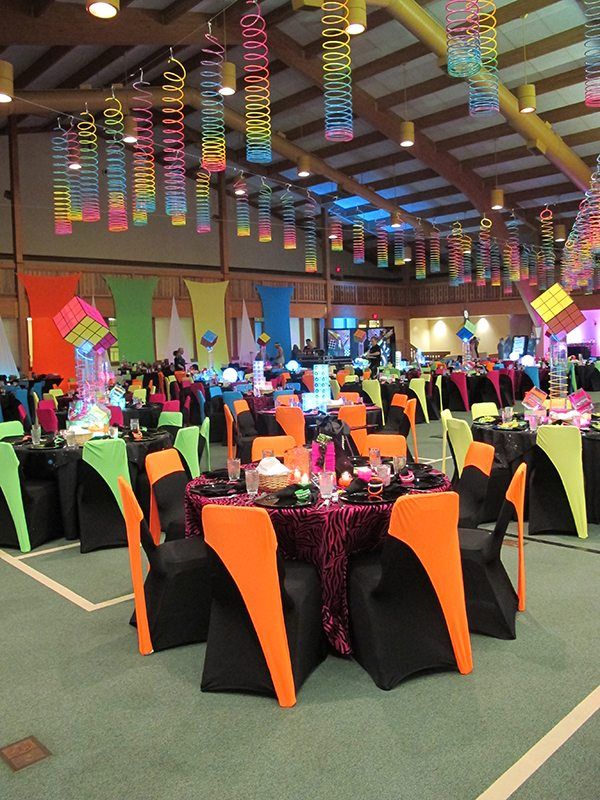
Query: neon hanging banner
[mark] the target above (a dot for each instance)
(174, 143)
(462, 38)
(61, 190)
(144, 169)
(382, 246)
(288, 212)
(88, 174)
(483, 87)
(212, 111)
(242, 207)
(256, 85)
(337, 71)
(203, 222)
(434, 251)
(358, 241)
(116, 176)
(265, 195)
(310, 235)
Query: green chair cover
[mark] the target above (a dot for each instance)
(484, 410)
(562, 445)
(373, 388)
(351, 379)
(205, 434)
(445, 415)
(335, 388)
(174, 418)
(56, 392)
(597, 365)
(12, 428)
(418, 387)
(460, 437)
(139, 394)
(11, 489)
(573, 377)
(186, 442)
(109, 458)
(438, 386)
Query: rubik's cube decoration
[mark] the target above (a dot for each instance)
(467, 332)
(558, 311)
(83, 326)
(264, 339)
(359, 335)
(209, 340)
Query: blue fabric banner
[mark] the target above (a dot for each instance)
(276, 314)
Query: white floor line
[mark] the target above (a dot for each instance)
(527, 765)
(73, 597)
(35, 553)
(112, 602)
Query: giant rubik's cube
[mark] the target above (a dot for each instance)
(558, 311)
(467, 332)
(83, 326)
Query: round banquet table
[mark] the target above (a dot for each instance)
(62, 465)
(515, 447)
(147, 415)
(267, 425)
(325, 535)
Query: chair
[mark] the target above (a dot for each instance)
(11, 429)
(239, 406)
(116, 416)
(351, 378)
(168, 480)
(373, 389)
(352, 397)
(335, 388)
(308, 379)
(21, 395)
(411, 413)
(215, 391)
(246, 431)
(493, 377)
(172, 606)
(278, 444)
(417, 385)
(556, 486)
(171, 421)
(472, 486)
(459, 379)
(187, 443)
(159, 399)
(445, 415)
(406, 600)
(389, 445)
(175, 405)
(99, 504)
(205, 440)
(265, 633)
(171, 379)
(47, 417)
(29, 511)
(492, 602)
(355, 418)
(534, 375)
(459, 438)
(284, 400)
(139, 394)
(229, 399)
(136, 384)
(341, 376)
(439, 383)
(399, 399)
(291, 419)
(484, 410)
(281, 393)
(366, 374)
(229, 428)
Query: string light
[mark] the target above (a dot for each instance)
(256, 85)
(61, 191)
(88, 149)
(203, 221)
(242, 207)
(212, 110)
(288, 212)
(116, 176)
(337, 71)
(462, 38)
(144, 170)
(265, 195)
(173, 140)
(310, 235)
(483, 87)
(382, 246)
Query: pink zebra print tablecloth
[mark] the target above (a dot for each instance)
(324, 535)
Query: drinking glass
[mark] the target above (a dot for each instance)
(326, 484)
(533, 422)
(113, 432)
(71, 439)
(507, 414)
(252, 480)
(374, 457)
(233, 468)
(36, 434)
(134, 424)
(399, 462)
(383, 471)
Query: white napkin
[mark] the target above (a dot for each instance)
(272, 466)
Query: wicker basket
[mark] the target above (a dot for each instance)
(272, 483)
(82, 438)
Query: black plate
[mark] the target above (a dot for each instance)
(219, 489)
(362, 499)
(273, 501)
(522, 426)
(480, 420)
(419, 468)
(427, 482)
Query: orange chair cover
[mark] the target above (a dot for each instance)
(352, 397)
(284, 400)
(133, 517)
(245, 541)
(366, 374)
(278, 444)
(229, 429)
(291, 420)
(341, 376)
(308, 379)
(399, 400)
(284, 378)
(410, 409)
(356, 419)
(159, 464)
(480, 455)
(240, 405)
(516, 494)
(428, 524)
(180, 375)
(388, 445)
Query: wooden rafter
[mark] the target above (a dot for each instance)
(39, 7)
(41, 65)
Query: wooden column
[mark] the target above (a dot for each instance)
(224, 252)
(326, 271)
(17, 232)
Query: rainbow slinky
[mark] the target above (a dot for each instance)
(288, 212)
(382, 246)
(74, 157)
(506, 266)
(144, 169)
(533, 268)
(592, 53)
(265, 195)
(337, 71)
(495, 262)
(420, 255)
(467, 259)
(547, 238)
(212, 111)
(399, 246)
(455, 254)
(310, 235)
(358, 241)
(242, 207)
(524, 264)
(256, 86)
(61, 190)
(88, 174)
(514, 244)
(434, 251)
(336, 231)
(485, 271)
(174, 142)
(202, 201)
(116, 175)
(462, 38)
(483, 87)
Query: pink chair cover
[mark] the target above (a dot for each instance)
(158, 398)
(46, 404)
(173, 405)
(511, 375)
(459, 379)
(116, 416)
(47, 419)
(494, 377)
(22, 413)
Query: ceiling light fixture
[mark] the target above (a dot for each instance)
(560, 232)
(357, 17)
(103, 9)
(497, 199)
(7, 82)
(526, 92)
(228, 79)
(303, 167)
(407, 133)
(396, 220)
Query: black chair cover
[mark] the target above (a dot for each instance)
(549, 507)
(472, 489)
(169, 493)
(101, 523)
(42, 513)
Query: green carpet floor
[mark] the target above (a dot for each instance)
(124, 727)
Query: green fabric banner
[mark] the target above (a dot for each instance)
(133, 312)
(208, 306)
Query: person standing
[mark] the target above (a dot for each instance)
(475, 346)
(178, 359)
(501, 348)
(279, 359)
(373, 355)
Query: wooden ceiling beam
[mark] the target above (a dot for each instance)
(93, 67)
(176, 10)
(42, 64)
(515, 153)
(39, 7)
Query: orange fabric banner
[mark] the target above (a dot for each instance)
(47, 295)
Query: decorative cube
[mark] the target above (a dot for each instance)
(558, 311)
(467, 332)
(534, 399)
(322, 385)
(582, 401)
(309, 401)
(359, 335)
(264, 339)
(82, 325)
(209, 339)
(106, 342)
(258, 374)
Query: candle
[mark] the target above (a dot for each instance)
(364, 473)
(304, 480)
(345, 479)
(297, 476)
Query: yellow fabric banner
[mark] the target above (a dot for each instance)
(208, 307)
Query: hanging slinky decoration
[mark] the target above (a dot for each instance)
(483, 87)
(495, 262)
(358, 241)
(144, 170)
(467, 259)
(61, 190)
(506, 267)
(242, 207)
(483, 264)
(434, 251)
(116, 175)
(514, 244)
(336, 235)
(212, 111)
(310, 235)
(524, 264)
(420, 255)
(174, 143)
(288, 212)
(592, 53)
(399, 246)
(74, 168)
(533, 268)
(382, 246)
(547, 237)
(337, 71)
(203, 201)
(88, 174)
(265, 195)
(454, 242)
(462, 38)
(256, 85)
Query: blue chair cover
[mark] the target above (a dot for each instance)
(534, 374)
(229, 398)
(21, 395)
(295, 387)
(215, 391)
(278, 392)
(244, 387)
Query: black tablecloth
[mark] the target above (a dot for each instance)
(267, 425)
(62, 465)
(147, 415)
(388, 390)
(587, 377)
(514, 447)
